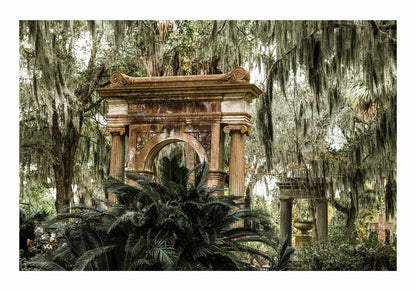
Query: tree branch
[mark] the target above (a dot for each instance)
(340, 207)
(377, 28)
(93, 105)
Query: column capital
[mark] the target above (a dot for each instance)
(121, 130)
(286, 198)
(243, 128)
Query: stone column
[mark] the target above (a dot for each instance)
(285, 220)
(322, 220)
(237, 158)
(237, 161)
(117, 155)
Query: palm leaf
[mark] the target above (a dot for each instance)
(42, 263)
(199, 249)
(201, 179)
(130, 216)
(166, 255)
(89, 256)
(285, 253)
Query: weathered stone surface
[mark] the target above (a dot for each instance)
(299, 188)
(285, 220)
(117, 159)
(381, 226)
(236, 76)
(198, 110)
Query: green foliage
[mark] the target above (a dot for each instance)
(362, 252)
(369, 255)
(318, 75)
(28, 221)
(34, 240)
(168, 226)
(39, 196)
(282, 261)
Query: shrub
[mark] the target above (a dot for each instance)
(28, 221)
(170, 225)
(369, 255)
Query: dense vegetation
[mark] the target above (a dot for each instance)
(328, 111)
(168, 226)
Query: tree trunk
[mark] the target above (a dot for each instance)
(351, 213)
(350, 222)
(64, 153)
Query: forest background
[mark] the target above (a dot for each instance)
(404, 114)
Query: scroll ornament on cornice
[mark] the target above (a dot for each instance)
(118, 79)
(244, 129)
(238, 76)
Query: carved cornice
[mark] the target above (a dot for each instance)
(236, 76)
(244, 129)
(121, 130)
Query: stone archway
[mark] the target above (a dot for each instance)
(199, 110)
(151, 149)
(299, 188)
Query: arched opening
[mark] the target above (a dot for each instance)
(178, 149)
(155, 145)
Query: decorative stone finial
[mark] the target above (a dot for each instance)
(118, 79)
(238, 76)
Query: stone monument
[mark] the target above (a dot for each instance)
(150, 113)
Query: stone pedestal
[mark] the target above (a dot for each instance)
(303, 239)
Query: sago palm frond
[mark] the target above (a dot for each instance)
(198, 249)
(142, 263)
(42, 263)
(135, 244)
(201, 176)
(88, 256)
(170, 171)
(128, 216)
(163, 253)
(284, 255)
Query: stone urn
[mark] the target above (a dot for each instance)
(304, 226)
(303, 239)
